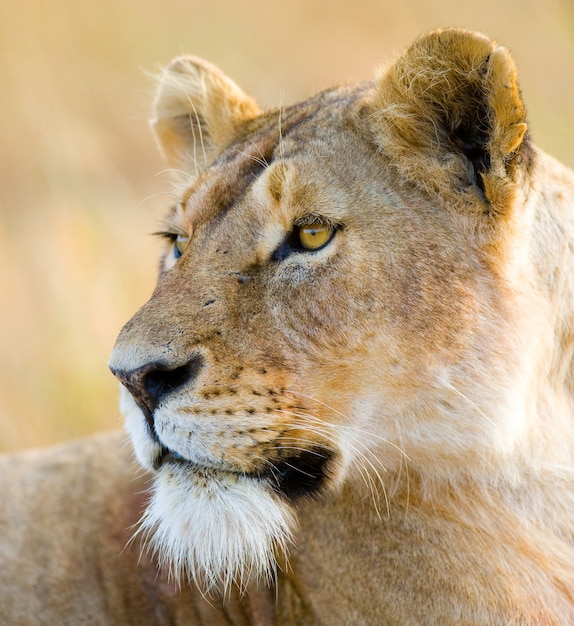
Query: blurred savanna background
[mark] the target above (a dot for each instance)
(81, 184)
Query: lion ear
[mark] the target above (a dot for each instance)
(451, 118)
(197, 112)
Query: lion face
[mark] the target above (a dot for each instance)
(329, 306)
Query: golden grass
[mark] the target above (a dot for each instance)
(78, 184)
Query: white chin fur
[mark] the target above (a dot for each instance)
(216, 529)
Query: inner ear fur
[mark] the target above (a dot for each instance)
(450, 116)
(197, 112)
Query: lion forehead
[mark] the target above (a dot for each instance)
(272, 143)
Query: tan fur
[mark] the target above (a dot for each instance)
(399, 402)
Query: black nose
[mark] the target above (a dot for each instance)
(149, 383)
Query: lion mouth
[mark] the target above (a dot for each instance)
(170, 457)
(302, 474)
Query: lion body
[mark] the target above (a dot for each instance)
(72, 508)
(352, 386)
(67, 556)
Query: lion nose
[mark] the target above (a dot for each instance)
(149, 383)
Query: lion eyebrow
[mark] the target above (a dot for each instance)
(241, 165)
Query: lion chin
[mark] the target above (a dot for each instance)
(215, 528)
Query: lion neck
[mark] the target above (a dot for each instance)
(550, 317)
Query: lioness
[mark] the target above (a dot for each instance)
(352, 388)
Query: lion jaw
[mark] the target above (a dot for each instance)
(212, 527)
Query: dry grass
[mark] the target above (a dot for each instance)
(78, 184)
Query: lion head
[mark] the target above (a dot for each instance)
(350, 293)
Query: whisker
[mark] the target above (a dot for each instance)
(360, 443)
(263, 161)
(360, 460)
(260, 161)
(345, 427)
(471, 403)
(153, 196)
(178, 173)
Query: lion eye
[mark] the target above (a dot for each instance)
(179, 245)
(314, 236)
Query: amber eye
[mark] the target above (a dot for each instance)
(179, 245)
(314, 236)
